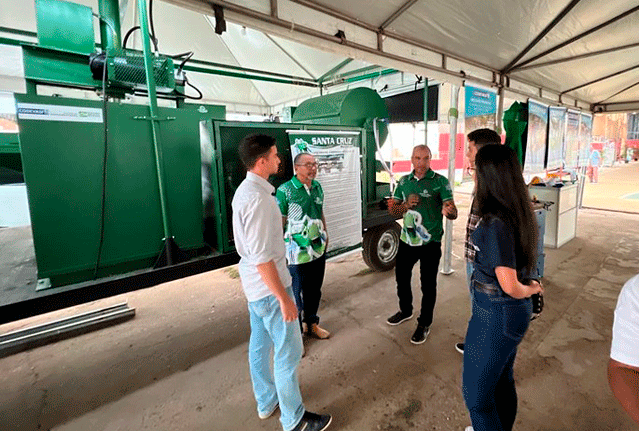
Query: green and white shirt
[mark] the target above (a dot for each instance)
(423, 223)
(305, 233)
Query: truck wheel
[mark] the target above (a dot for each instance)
(380, 246)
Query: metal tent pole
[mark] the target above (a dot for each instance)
(453, 114)
(426, 111)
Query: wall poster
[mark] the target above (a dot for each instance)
(537, 137)
(337, 155)
(556, 131)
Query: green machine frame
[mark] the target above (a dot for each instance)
(117, 192)
(113, 187)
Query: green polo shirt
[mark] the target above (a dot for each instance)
(305, 233)
(423, 223)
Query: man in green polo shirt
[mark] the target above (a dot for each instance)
(421, 197)
(301, 200)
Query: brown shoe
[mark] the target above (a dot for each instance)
(316, 331)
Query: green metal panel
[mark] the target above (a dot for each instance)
(63, 163)
(65, 26)
(357, 107)
(58, 68)
(207, 112)
(347, 108)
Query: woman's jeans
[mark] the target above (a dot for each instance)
(270, 333)
(497, 326)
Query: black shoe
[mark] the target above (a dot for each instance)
(398, 318)
(460, 347)
(313, 422)
(420, 335)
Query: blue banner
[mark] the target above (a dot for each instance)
(480, 102)
(556, 131)
(537, 137)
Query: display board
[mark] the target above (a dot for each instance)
(480, 109)
(556, 132)
(537, 137)
(608, 154)
(571, 147)
(337, 155)
(585, 136)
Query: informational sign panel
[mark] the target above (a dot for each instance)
(556, 131)
(480, 112)
(537, 137)
(585, 136)
(608, 154)
(481, 108)
(338, 171)
(571, 149)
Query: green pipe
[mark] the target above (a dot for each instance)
(13, 42)
(334, 70)
(371, 75)
(18, 32)
(110, 17)
(153, 109)
(294, 80)
(245, 69)
(247, 76)
(355, 72)
(342, 80)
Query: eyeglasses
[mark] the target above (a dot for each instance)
(308, 165)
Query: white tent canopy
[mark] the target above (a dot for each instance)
(584, 51)
(578, 53)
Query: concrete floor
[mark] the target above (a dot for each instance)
(181, 363)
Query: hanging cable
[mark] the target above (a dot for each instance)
(104, 170)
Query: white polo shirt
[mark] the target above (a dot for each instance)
(258, 235)
(625, 329)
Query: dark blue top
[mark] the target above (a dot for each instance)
(494, 243)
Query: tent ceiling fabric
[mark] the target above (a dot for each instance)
(424, 37)
(455, 41)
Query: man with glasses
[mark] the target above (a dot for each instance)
(301, 200)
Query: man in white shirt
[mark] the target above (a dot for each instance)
(623, 367)
(258, 235)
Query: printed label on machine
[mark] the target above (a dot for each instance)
(78, 114)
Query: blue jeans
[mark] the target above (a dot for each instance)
(497, 326)
(270, 333)
(307, 287)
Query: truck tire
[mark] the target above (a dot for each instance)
(380, 246)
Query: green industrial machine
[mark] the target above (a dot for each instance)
(113, 187)
(117, 189)
(357, 108)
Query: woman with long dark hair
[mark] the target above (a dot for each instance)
(505, 242)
